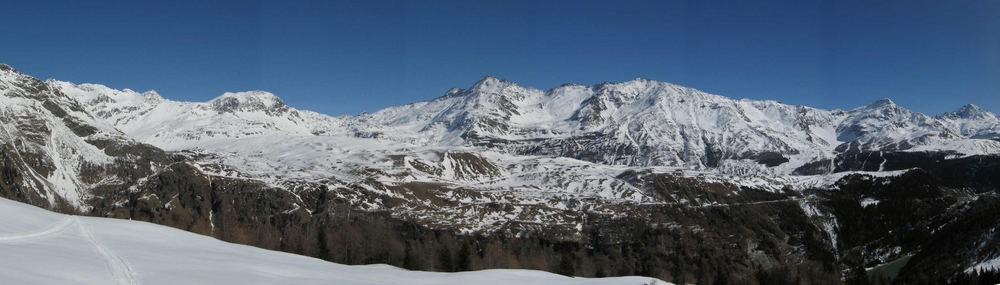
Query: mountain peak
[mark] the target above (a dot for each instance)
(882, 103)
(246, 101)
(971, 106)
(968, 111)
(492, 78)
(250, 95)
(490, 83)
(152, 94)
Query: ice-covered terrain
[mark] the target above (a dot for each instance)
(42, 247)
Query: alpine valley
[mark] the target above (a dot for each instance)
(615, 179)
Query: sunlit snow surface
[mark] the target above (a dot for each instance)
(42, 247)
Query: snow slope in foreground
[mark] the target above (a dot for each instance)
(42, 247)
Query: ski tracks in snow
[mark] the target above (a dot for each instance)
(121, 270)
(58, 227)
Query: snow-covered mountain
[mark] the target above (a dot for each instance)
(636, 123)
(972, 121)
(608, 126)
(178, 125)
(65, 153)
(42, 247)
(644, 122)
(499, 175)
(506, 142)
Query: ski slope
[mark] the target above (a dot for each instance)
(42, 247)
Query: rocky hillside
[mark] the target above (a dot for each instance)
(56, 154)
(634, 178)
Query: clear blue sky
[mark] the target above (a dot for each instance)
(345, 57)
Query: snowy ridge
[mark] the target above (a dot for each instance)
(541, 152)
(640, 123)
(606, 129)
(64, 250)
(650, 123)
(883, 125)
(174, 125)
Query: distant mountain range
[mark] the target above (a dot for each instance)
(636, 123)
(634, 178)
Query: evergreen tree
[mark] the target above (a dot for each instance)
(464, 253)
(566, 265)
(445, 260)
(324, 249)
